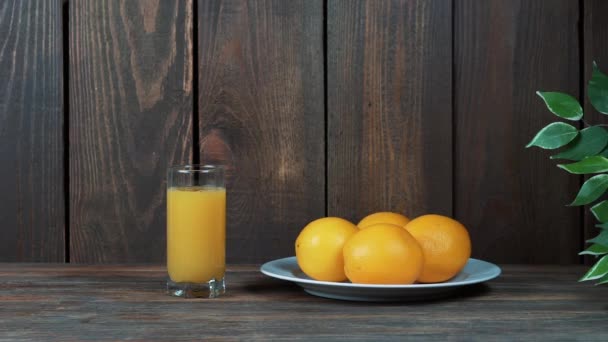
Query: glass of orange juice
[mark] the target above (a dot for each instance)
(196, 231)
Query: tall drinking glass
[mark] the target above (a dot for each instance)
(196, 231)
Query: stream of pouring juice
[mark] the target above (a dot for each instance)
(196, 234)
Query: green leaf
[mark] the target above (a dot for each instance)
(604, 152)
(598, 270)
(602, 280)
(562, 105)
(591, 190)
(595, 249)
(595, 164)
(598, 90)
(600, 211)
(602, 226)
(554, 135)
(601, 239)
(589, 142)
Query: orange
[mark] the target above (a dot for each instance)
(319, 248)
(382, 254)
(383, 217)
(446, 245)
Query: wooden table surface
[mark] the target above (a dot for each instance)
(76, 302)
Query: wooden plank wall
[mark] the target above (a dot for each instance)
(389, 112)
(261, 112)
(513, 200)
(322, 107)
(32, 215)
(130, 116)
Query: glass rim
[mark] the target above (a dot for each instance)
(196, 168)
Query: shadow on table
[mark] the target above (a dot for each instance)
(271, 286)
(277, 288)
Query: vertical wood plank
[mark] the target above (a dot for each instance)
(595, 38)
(261, 114)
(389, 107)
(512, 199)
(130, 118)
(31, 133)
(595, 49)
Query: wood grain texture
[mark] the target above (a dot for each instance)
(66, 303)
(595, 49)
(512, 199)
(130, 118)
(261, 114)
(389, 107)
(31, 132)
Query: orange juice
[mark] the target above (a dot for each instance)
(196, 234)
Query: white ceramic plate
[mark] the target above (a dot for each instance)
(475, 271)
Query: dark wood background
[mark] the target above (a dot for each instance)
(317, 107)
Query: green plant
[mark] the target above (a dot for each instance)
(588, 151)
